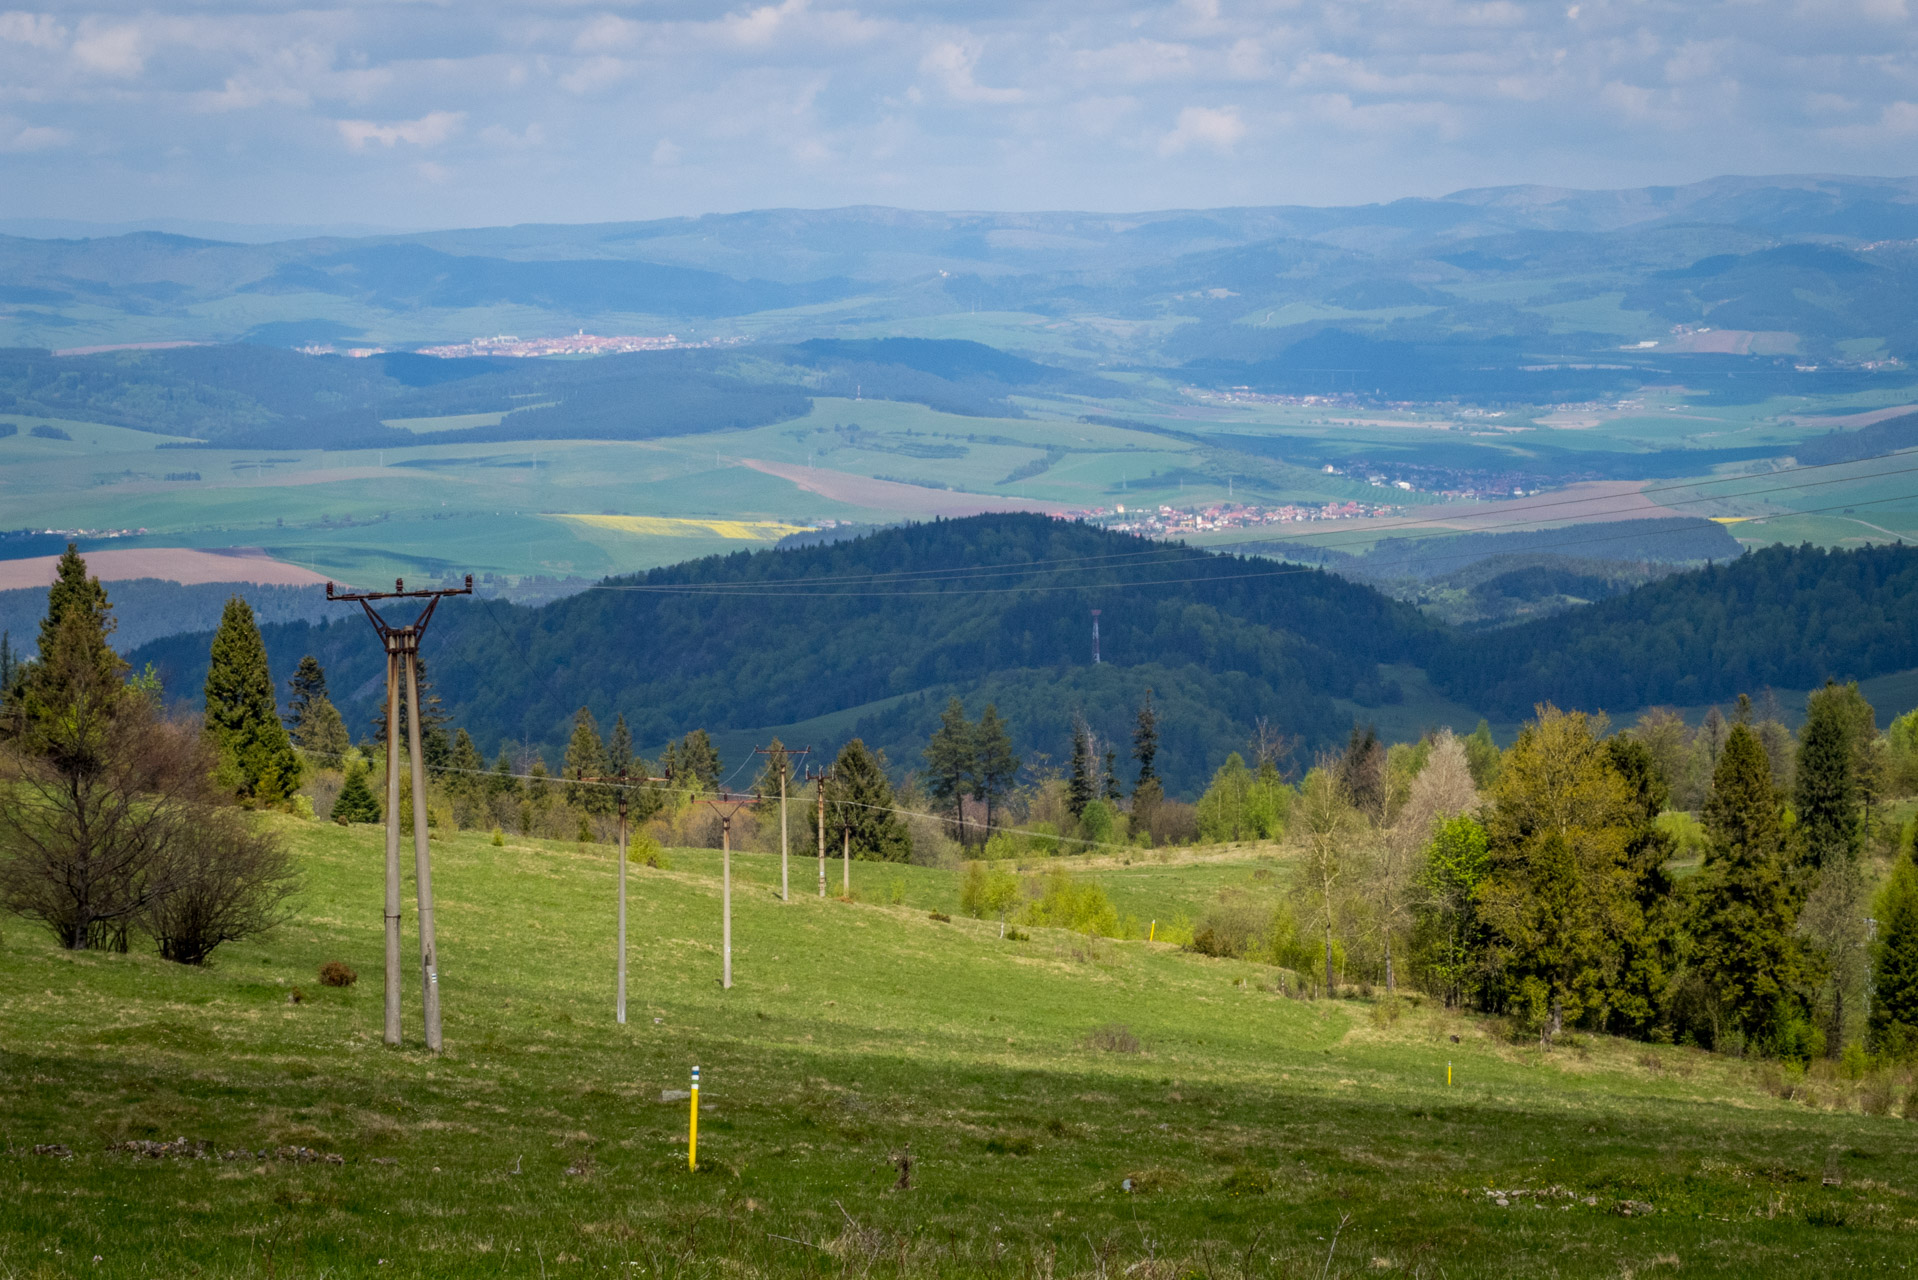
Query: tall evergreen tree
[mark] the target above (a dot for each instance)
(257, 760)
(308, 684)
(504, 782)
(1082, 785)
(778, 765)
(952, 760)
(997, 764)
(1893, 1025)
(694, 762)
(1647, 939)
(10, 667)
(586, 758)
(1826, 800)
(619, 749)
(1145, 743)
(1109, 777)
(323, 733)
(74, 589)
(1362, 772)
(466, 769)
(78, 621)
(860, 797)
(1741, 929)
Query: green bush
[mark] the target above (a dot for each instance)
(1066, 903)
(987, 891)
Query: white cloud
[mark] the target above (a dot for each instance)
(1215, 128)
(951, 63)
(114, 51)
(40, 30)
(665, 154)
(595, 74)
(17, 136)
(430, 130)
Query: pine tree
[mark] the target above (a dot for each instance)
(695, 762)
(86, 678)
(503, 782)
(10, 667)
(860, 797)
(1826, 799)
(356, 802)
(257, 760)
(309, 686)
(1893, 1026)
(619, 749)
(1362, 772)
(952, 760)
(1145, 744)
(997, 763)
(586, 758)
(1648, 938)
(323, 733)
(1109, 782)
(1082, 786)
(465, 774)
(1741, 928)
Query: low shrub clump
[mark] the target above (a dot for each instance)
(337, 973)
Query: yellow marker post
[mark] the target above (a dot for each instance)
(1448, 1075)
(1153, 936)
(692, 1129)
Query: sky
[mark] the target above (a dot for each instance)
(414, 115)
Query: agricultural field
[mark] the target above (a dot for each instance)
(1072, 1106)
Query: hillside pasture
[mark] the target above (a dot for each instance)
(1072, 1106)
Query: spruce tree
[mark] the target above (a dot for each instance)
(1826, 800)
(696, 763)
(323, 733)
(87, 676)
(73, 589)
(997, 763)
(1362, 771)
(1648, 939)
(436, 746)
(619, 749)
(860, 796)
(1482, 756)
(309, 686)
(952, 760)
(778, 765)
(1741, 928)
(465, 774)
(1109, 785)
(586, 758)
(1893, 1025)
(503, 782)
(1145, 744)
(257, 760)
(1082, 786)
(356, 802)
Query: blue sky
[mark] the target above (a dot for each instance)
(470, 113)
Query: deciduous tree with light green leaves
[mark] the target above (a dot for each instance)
(257, 760)
(1556, 899)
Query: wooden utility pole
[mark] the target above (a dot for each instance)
(821, 777)
(785, 894)
(726, 806)
(402, 663)
(845, 832)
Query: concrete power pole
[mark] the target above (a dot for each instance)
(726, 806)
(785, 893)
(402, 665)
(822, 777)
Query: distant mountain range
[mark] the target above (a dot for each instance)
(1810, 269)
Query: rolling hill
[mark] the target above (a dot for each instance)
(871, 635)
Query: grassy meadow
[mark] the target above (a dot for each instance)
(1262, 1135)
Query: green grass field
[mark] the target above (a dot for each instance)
(1263, 1136)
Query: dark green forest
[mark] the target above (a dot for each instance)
(996, 608)
(1784, 617)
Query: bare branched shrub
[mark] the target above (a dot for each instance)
(337, 973)
(93, 806)
(225, 880)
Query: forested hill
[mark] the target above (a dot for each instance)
(878, 631)
(992, 606)
(1784, 617)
